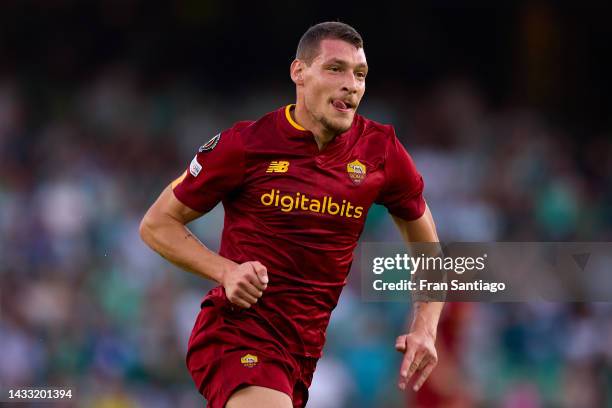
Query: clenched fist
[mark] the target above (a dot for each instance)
(245, 284)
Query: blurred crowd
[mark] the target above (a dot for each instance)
(86, 305)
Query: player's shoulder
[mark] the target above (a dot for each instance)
(238, 128)
(241, 125)
(240, 135)
(247, 128)
(260, 133)
(372, 129)
(226, 140)
(374, 137)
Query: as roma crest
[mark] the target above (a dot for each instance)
(249, 360)
(356, 171)
(208, 146)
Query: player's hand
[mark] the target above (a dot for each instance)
(245, 284)
(420, 358)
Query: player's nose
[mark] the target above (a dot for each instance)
(350, 83)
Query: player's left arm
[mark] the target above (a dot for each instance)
(418, 345)
(402, 194)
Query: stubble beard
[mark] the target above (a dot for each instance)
(332, 128)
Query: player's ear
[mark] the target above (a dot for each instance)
(297, 72)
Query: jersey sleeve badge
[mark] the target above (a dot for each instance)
(208, 146)
(195, 167)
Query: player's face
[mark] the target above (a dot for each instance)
(334, 84)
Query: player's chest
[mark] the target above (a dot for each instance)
(350, 176)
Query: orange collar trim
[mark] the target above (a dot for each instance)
(290, 119)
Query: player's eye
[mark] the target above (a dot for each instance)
(334, 68)
(360, 75)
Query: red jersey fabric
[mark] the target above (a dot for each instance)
(299, 211)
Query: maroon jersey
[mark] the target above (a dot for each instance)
(299, 211)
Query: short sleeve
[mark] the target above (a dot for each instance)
(216, 170)
(402, 192)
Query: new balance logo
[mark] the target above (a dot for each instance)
(278, 167)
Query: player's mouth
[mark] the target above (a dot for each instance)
(343, 106)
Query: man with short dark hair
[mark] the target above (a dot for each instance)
(296, 186)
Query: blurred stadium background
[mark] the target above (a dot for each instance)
(506, 111)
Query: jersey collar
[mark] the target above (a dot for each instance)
(290, 119)
(292, 128)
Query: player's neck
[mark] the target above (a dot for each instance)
(321, 134)
(322, 141)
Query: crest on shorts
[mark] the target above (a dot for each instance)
(208, 146)
(356, 171)
(249, 360)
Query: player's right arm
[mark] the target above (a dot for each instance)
(164, 226)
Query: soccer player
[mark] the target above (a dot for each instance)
(296, 186)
